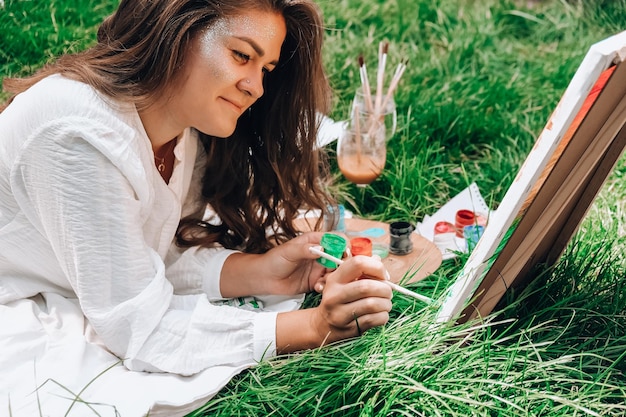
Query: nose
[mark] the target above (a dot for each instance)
(252, 85)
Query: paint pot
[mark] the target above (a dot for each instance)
(446, 242)
(444, 236)
(333, 245)
(400, 238)
(334, 219)
(463, 218)
(361, 246)
(444, 227)
(472, 234)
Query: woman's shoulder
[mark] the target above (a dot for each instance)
(65, 95)
(57, 98)
(60, 109)
(60, 83)
(58, 89)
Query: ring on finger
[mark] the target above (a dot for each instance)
(356, 320)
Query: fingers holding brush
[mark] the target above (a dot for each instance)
(351, 305)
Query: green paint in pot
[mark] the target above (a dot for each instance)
(333, 245)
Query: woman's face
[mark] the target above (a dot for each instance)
(223, 75)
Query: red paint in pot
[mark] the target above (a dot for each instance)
(463, 218)
(361, 246)
(444, 227)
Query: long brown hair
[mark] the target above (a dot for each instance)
(256, 180)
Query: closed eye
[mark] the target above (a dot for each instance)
(241, 57)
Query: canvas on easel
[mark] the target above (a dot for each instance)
(553, 189)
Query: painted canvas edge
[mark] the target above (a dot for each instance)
(599, 57)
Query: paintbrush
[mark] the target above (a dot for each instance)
(394, 83)
(357, 131)
(394, 286)
(367, 92)
(380, 76)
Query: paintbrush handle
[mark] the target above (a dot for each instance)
(367, 92)
(394, 286)
(394, 84)
(410, 293)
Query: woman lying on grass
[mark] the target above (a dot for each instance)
(110, 159)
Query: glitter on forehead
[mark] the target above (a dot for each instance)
(244, 25)
(249, 25)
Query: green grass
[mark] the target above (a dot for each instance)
(482, 79)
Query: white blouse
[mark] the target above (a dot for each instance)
(85, 214)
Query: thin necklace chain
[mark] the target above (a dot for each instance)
(161, 161)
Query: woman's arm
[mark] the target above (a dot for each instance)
(95, 210)
(354, 300)
(287, 269)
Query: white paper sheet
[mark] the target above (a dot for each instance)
(468, 199)
(329, 130)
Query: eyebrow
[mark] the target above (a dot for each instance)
(257, 48)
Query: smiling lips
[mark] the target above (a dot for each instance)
(238, 107)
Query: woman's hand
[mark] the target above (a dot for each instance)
(354, 300)
(292, 268)
(287, 269)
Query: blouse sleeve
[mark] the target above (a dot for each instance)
(90, 203)
(196, 270)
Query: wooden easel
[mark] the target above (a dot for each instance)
(554, 188)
